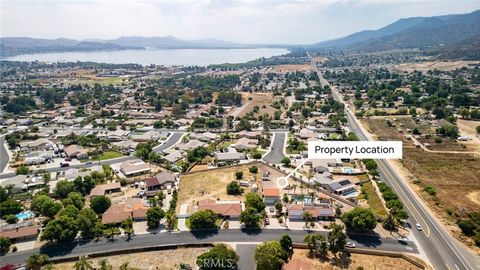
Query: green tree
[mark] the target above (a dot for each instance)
(69, 211)
(250, 217)
(10, 207)
(87, 219)
(62, 229)
(220, 257)
(287, 246)
(36, 261)
(11, 219)
(4, 244)
(268, 256)
(286, 161)
(254, 200)
(279, 207)
(478, 129)
(233, 188)
(390, 222)
(239, 175)
(104, 265)
(127, 226)
(75, 199)
(100, 204)
(154, 215)
(359, 219)
(205, 219)
(253, 169)
(308, 218)
(22, 170)
(83, 264)
(63, 188)
(336, 238)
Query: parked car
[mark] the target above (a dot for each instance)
(267, 221)
(350, 245)
(64, 165)
(88, 163)
(68, 159)
(271, 209)
(419, 227)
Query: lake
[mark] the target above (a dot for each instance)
(185, 57)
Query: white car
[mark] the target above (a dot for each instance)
(350, 245)
(419, 227)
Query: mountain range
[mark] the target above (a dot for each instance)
(449, 36)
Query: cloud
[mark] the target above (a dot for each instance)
(249, 21)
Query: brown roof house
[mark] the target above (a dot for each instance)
(226, 209)
(117, 213)
(163, 180)
(134, 167)
(101, 190)
(21, 233)
(270, 195)
(76, 151)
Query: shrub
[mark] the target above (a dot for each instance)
(430, 190)
(253, 169)
(233, 188)
(239, 175)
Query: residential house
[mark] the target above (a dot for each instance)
(134, 208)
(75, 151)
(134, 167)
(271, 195)
(245, 144)
(20, 233)
(104, 189)
(225, 209)
(163, 180)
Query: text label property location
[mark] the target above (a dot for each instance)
(355, 149)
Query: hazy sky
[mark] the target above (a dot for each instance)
(248, 21)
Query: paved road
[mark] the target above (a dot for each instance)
(171, 141)
(150, 240)
(276, 155)
(4, 158)
(246, 260)
(443, 251)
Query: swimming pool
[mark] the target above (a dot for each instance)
(347, 170)
(307, 199)
(24, 215)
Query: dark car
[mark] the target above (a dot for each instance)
(64, 165)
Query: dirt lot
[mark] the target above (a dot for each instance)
(260, 100)
(212, 183)
(290, 68)
(454, 176)
(165, 259)
(467, 128)
(430, 65)
(354, 261)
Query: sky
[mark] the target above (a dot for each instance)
(244, 21)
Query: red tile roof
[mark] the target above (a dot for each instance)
(20, 232)
(271, 192)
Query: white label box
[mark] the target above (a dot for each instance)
(355, 149)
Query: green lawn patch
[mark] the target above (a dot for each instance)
(107, 155)
(374, 200)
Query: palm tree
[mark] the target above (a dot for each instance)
(36, 261)
(104, 265)
(83, 264)
(124, 266)
(294, 188)
(390, 222)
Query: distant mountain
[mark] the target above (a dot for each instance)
(427, 33)
(173, 42)
(10, 46)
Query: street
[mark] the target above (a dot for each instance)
(149, 240)
(276, 155)
(171, 141)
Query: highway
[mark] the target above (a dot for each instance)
(4, 158)
(443, 251)
(275, 155)
(177, 238)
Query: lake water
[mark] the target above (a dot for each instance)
(185, 57)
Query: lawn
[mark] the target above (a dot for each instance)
(374, 200)
(108, 155)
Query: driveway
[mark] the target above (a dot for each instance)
(4, 157)
(276, 154)
(181, 217)
(246, 261)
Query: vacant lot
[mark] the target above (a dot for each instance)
(453, 176)
(212, 183)
(430, 65)
(290, 68)
(354, 261)
(262, 100)
(467, 128)
(163, 260)
(374, 201)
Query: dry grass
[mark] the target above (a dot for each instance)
(374, 201)
(353, 261)
(165, 259)
(260, 100)
(454, 176)
(430, 65)
(213, 183)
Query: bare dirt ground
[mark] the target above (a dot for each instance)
(161, 260)
(354, 261)
(468, 128)
(257, 99)
(290, 68)
(212, 183)
(430, 65)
